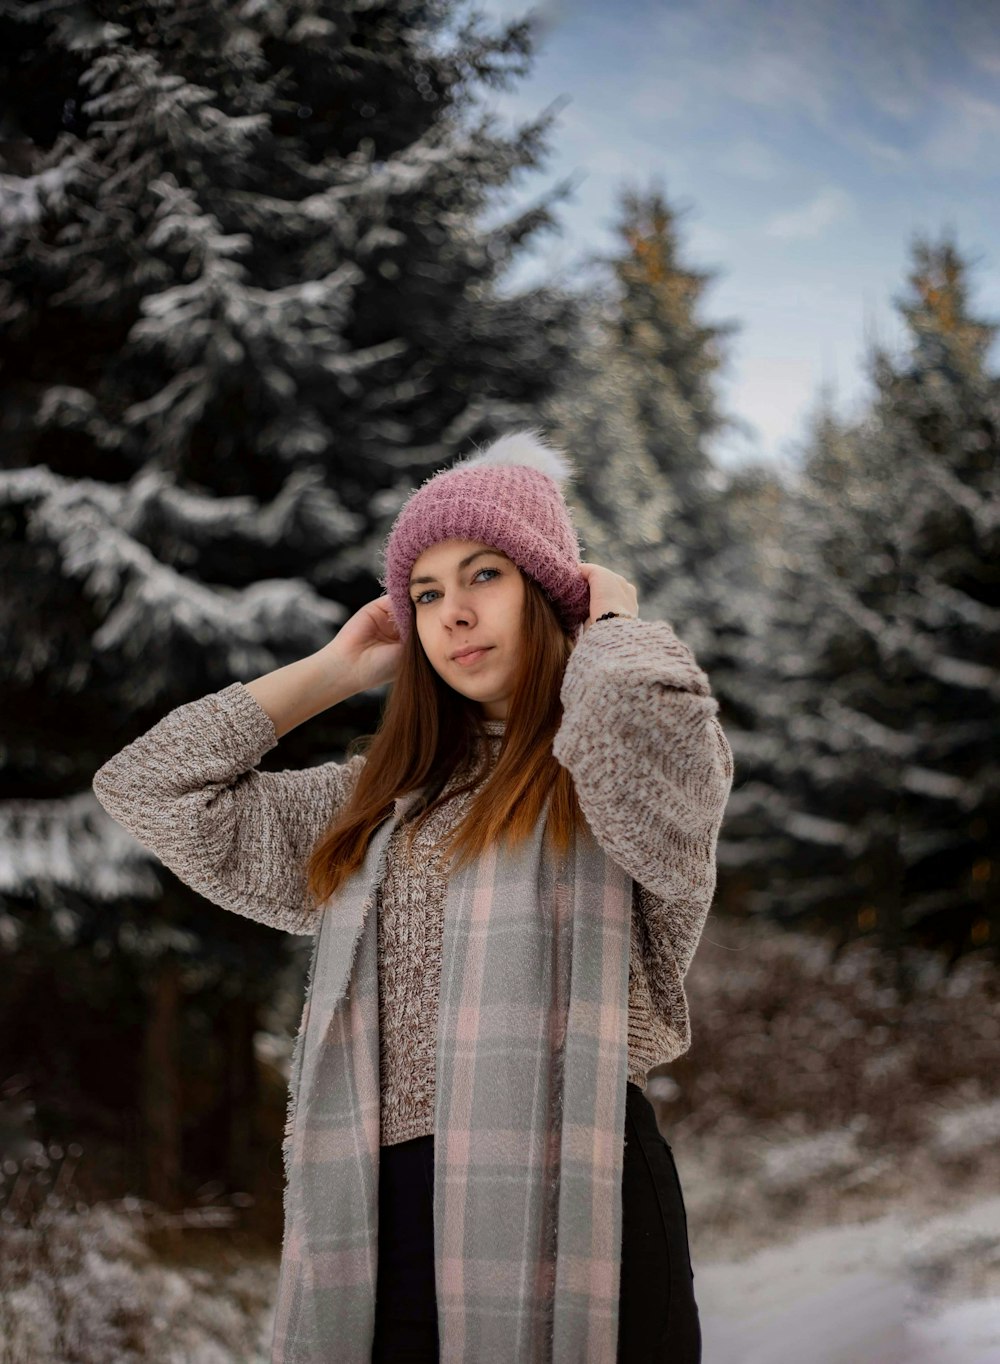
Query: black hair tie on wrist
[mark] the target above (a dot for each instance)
(608, 614)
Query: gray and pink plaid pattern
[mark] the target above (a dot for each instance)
(529, 1115)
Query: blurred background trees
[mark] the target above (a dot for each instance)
(248, 302)
(871, 763)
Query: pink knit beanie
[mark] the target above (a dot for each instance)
(508, 495)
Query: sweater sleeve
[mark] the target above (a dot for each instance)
(189, 790)
(652, 769)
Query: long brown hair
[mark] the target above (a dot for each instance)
(428, 731)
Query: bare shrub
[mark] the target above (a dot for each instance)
(87, 1284)
(787, 1037)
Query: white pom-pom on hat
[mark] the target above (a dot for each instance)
(529, 448)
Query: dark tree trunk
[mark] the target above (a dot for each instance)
(161, 1089)
(240, 1021)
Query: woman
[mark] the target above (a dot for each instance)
(473, 1170)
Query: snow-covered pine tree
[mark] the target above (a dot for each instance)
(639, 408)
(247, 302)
(937, 416)
(871, 803)
(622, 504)
(781, 846)
(676, 354)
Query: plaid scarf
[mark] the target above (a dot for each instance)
(529, 1115)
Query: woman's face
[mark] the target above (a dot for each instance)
(466, 595)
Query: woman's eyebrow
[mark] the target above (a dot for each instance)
(464, 563)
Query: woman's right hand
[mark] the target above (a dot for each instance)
(369, 642)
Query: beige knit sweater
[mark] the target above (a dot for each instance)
(190, 790)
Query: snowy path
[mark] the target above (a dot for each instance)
(870, 1293)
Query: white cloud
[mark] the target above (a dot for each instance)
(825, 208)
(751, 159)
(781, 80)
(976, 37)
(591, 142)
(724, 54)
(828, 63)
(967, 137)
(664, 98)
(989, 61)
(878, 150)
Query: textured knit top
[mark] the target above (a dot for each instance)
(191, 791)
(410, 930)
(411, 900)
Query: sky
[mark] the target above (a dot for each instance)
(805, 146)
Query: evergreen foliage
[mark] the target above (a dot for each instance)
(248, 301)
(638, 408)
(872, 805)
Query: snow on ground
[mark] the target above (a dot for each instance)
(897, 1288)
(877, 1292)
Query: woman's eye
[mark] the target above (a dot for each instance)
(418, 600)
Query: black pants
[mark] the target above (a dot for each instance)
(658, 1315)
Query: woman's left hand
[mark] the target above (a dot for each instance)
(609, 592)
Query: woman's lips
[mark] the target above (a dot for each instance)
(467, 660)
